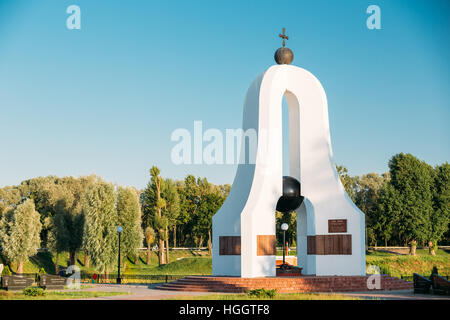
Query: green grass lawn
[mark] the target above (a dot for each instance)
(187, 265)
(406, 265)
(57, 295)
(280, 296)
(182, 262)
(290, 253)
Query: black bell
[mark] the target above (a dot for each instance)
(291, 198)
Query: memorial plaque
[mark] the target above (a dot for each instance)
(52, 282)
(230, 245)
(330, 244)
(16, 282)
(267, 245)
(337, 226)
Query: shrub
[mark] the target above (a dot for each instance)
(34, 292)
(262, 293)
(6, 271)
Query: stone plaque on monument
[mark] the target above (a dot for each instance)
(337, 225)
(16, 282)
(52, 282)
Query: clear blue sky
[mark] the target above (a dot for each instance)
(105, 99)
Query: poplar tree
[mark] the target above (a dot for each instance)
(129, 218)
(20, 233)
(171, 210)
(153, 204)
(100, 238)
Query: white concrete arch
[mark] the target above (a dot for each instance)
(249, 210)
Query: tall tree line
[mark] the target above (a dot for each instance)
(179, 213)
(410, 203)
(69, 215)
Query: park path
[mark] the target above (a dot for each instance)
(138, 292)
(148, 292)
(395, 295)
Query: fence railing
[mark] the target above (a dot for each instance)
(143, 278)
(411, 278)
(129, 278)
(406, 248)
(112, 278)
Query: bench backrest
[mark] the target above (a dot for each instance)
(439, 281)
(420, 280)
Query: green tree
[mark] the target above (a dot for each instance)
(9, 198)
(388, 214)
(189, 198)
(413, 182)
(348, 182)
(149, 239)
(19, 233)
(100, 238)
(129, 216)
(209, 204)
(65, 224)
(153, 204)
(367, 198)
(291, 234)
(170, 211)
(199, 201)
(440, 217)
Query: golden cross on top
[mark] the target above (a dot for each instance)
(285, 37)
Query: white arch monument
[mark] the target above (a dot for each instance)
(330, 228)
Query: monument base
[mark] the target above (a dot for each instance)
(288, 271)
(285, 284)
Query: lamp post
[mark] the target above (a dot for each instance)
(119, 280)
(284, 227)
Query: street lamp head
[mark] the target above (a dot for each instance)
(119, 229)
(284, 226)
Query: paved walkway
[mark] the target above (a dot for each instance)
(396, 295)
(148, 292)
(138, 292)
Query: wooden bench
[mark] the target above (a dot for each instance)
(52, 282)
(16, 282)
(440, 284)
(421, 284)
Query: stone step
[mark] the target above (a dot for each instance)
(283, 284)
